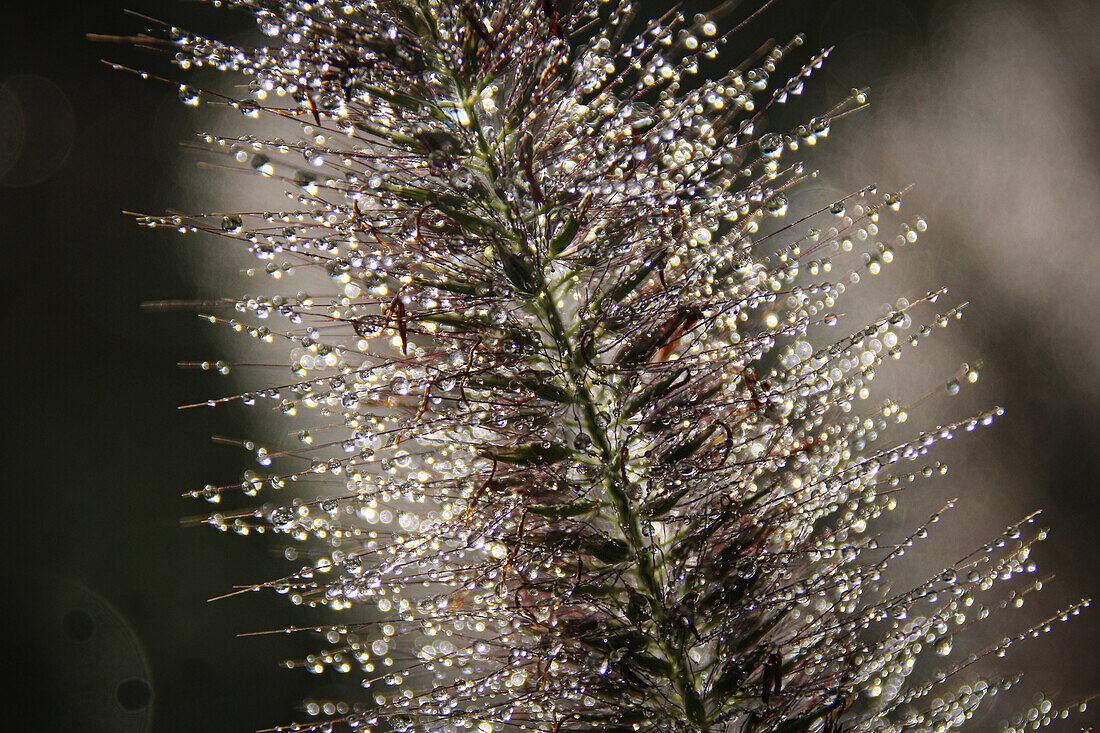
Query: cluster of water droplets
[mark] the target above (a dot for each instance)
(588, 453)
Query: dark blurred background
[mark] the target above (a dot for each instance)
(990, 108)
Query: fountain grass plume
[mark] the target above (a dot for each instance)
(592, 450)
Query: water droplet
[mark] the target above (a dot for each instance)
(248, 108)
(282, 516)
(232, 224)
(189, 95)
(776, 205)
(771, 145)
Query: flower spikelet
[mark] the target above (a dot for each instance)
(594, 448)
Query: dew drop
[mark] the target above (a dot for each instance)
(189, 95)
(232, 224)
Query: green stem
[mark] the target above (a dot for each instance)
(628, 520)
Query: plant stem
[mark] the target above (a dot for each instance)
(628, 519)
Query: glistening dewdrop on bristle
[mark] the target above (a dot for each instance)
(592, 446)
